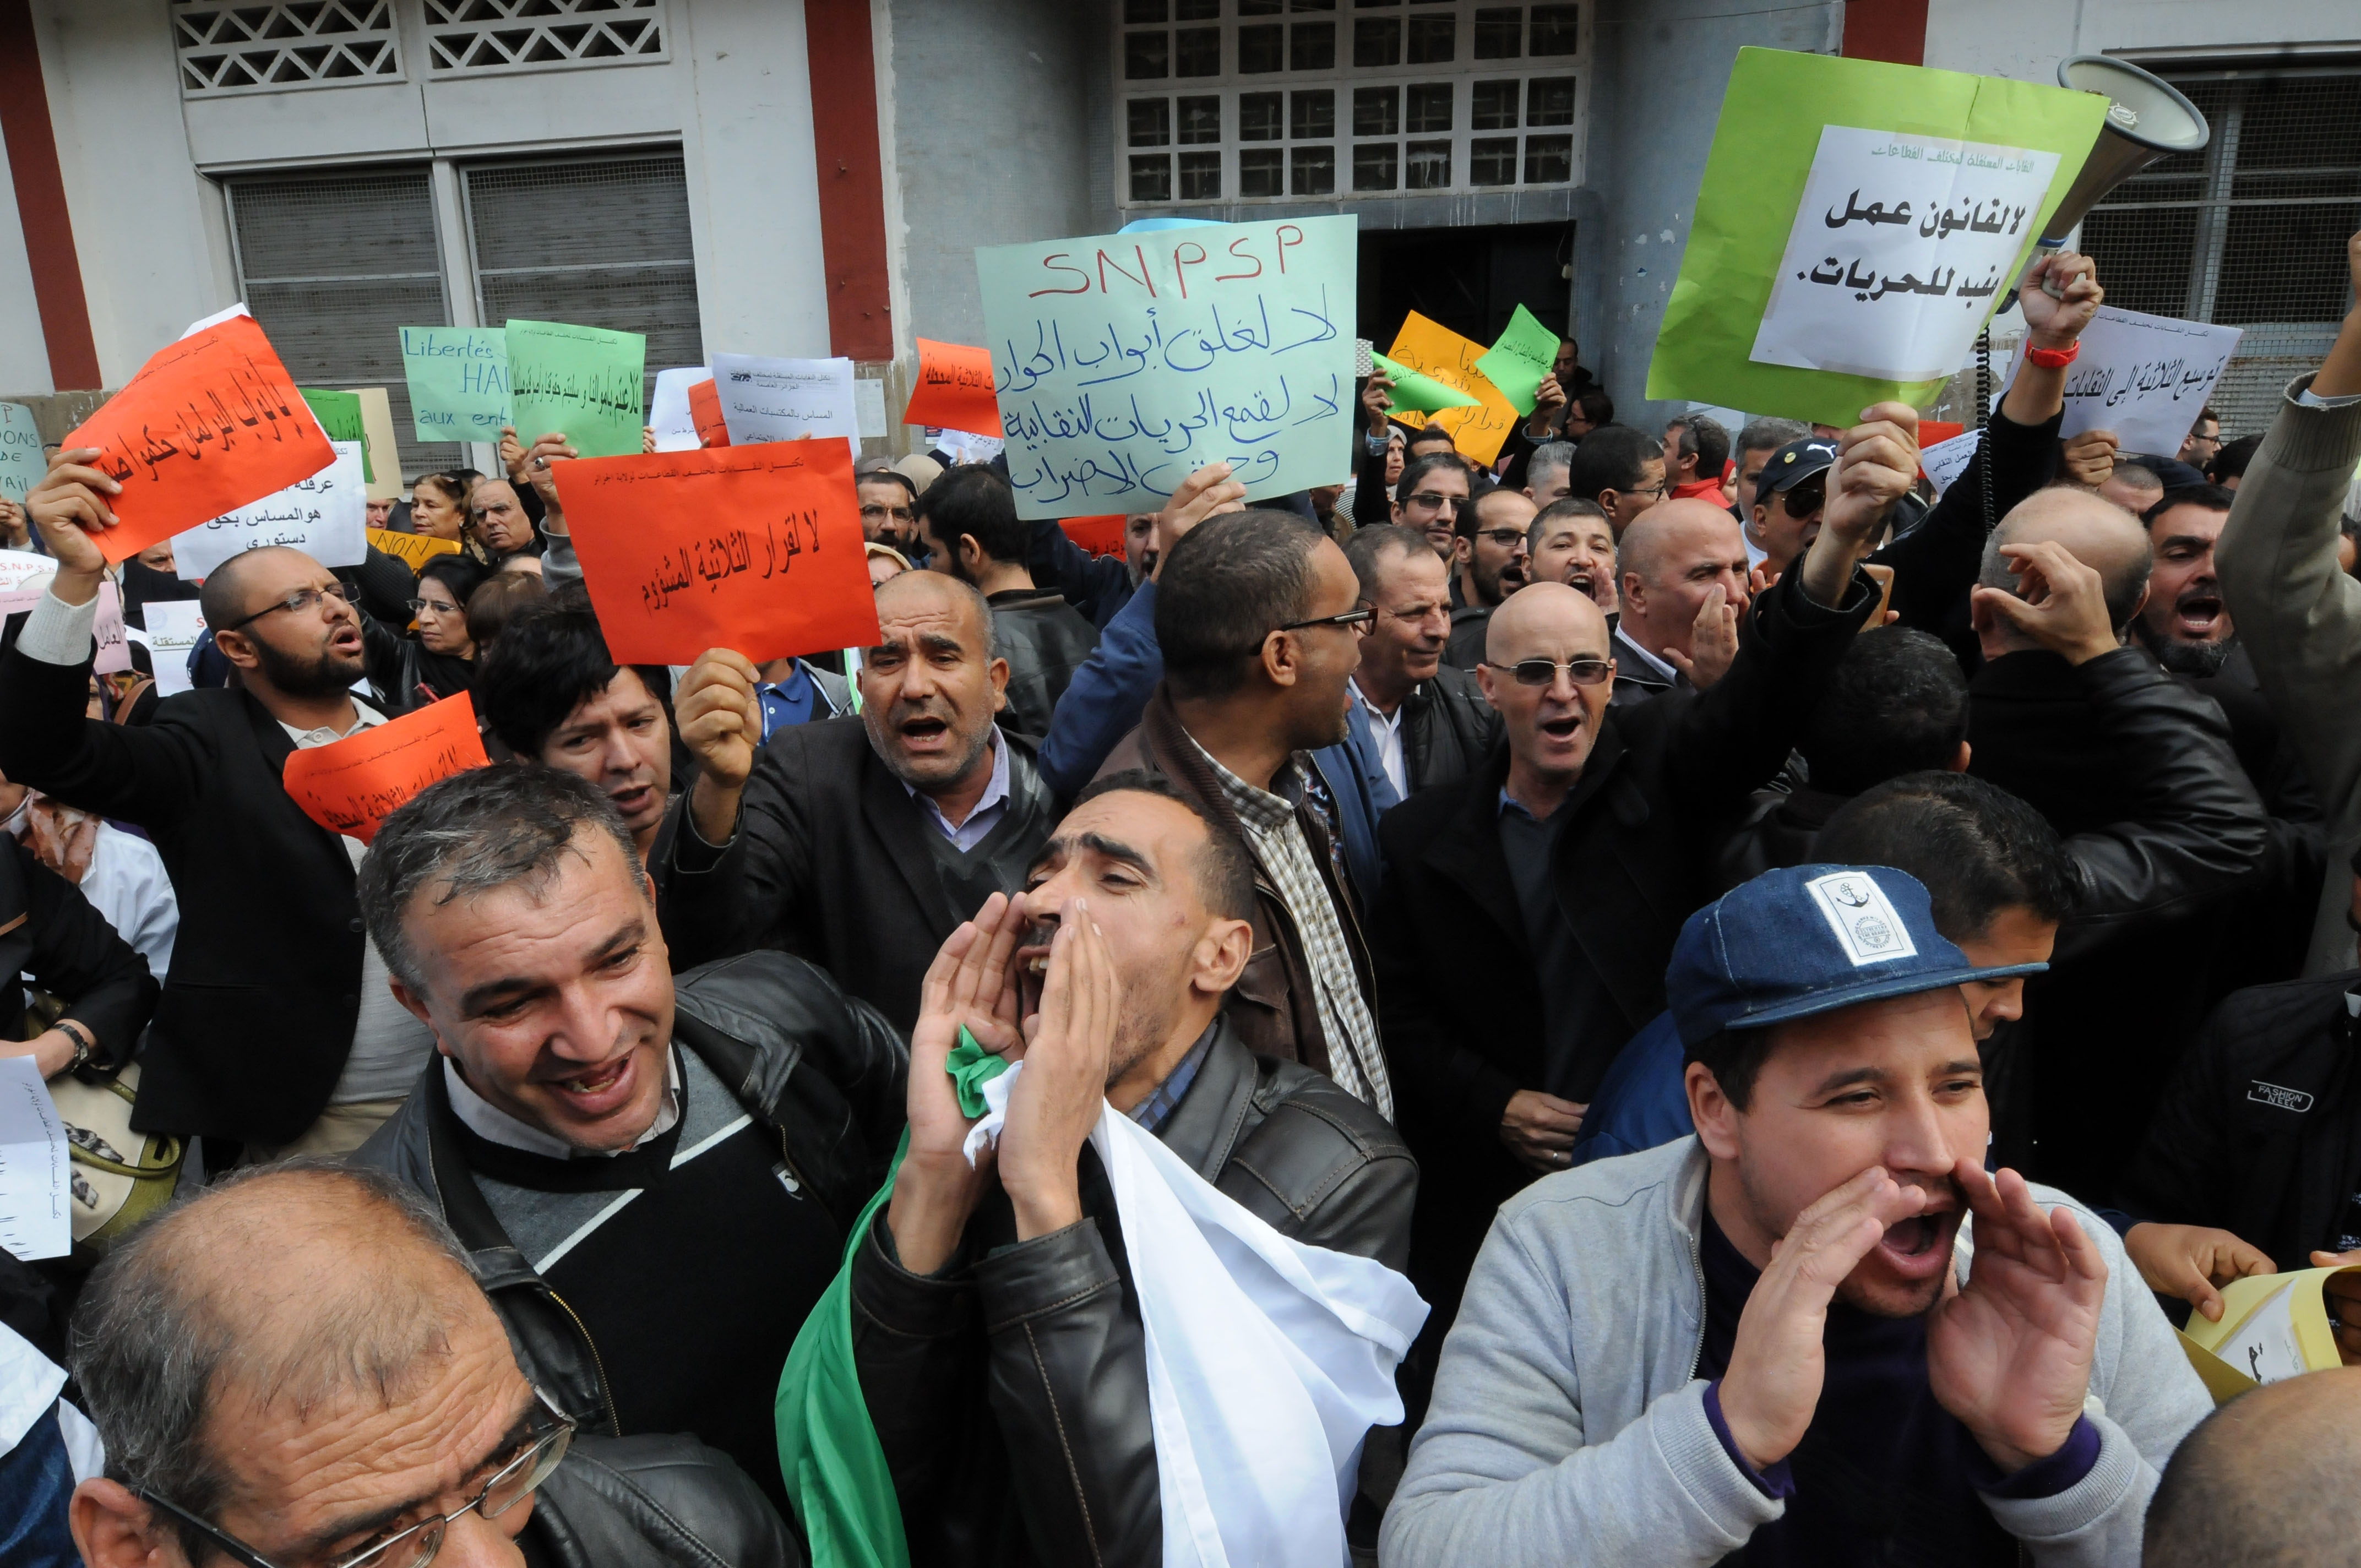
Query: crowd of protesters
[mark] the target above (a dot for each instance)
(1810, 978)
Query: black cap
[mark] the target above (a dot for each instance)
(1796, 461)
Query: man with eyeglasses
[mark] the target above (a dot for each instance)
(1529, 912)
(1489, 563)
(1619, 468)
(1416, 721)
(295, 1370)
(275, 1031)
(889, 509)
(1431, 494)
(1790, 490)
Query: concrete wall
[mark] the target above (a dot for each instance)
(24, 358)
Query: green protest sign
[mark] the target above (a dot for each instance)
(1123, 363)
(584, 380)
(1857, 224)
(339, 415)
(1422, 394)
(458, 380)
(22, 462)
(1526, 352)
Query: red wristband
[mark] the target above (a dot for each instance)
(2055, 358)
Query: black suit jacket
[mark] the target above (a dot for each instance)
(257, 1016)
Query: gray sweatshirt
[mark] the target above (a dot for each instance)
(1567, 1427)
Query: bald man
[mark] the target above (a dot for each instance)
(1683, 567)
(276, 1032)
(2266, 1481)
(867, 840)
(2099, 740)
(1528, 913)
(296, 1367)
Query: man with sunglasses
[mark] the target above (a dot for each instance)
(1789, 493)
(295, 1370)
(1528, 914)
(275, 1031)
(1431, 494)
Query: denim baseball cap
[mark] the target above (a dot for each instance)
(1797, 462)
(1810, 939)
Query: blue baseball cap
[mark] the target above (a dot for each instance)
(1809, 939)
(1797, 462)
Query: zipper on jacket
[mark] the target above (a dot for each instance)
(1696, 1266)
(614, 1417)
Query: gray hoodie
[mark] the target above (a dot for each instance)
(1569, 1428)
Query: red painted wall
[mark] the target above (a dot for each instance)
(1887, 29)
(41, 204)
(852, 176)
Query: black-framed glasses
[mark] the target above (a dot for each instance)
(899, 514)
(1506, 538)
(1806, 498)
(1360, 617)
(416, 1547)
(1435, 500)
(1543, 672)
(297, 603)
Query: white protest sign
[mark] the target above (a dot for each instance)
(1946, 460)
(174, 629)
(1899, 244)
(960, 446)
(2145, 378)
(325, 516)
(781, 400)
(21, 461)
(869, 407)
(34, 1222)
(217, 318)
(24, 573)
(668, 412)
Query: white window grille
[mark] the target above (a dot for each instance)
(476, 36)
(1243, 100)
(225, 47)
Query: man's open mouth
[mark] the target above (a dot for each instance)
(1564, 728)
(2196, 616)
(597, 1089)
(925, 730)
(1920, 1246)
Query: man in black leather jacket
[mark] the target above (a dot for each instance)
(295, 1367)
(1415, 721)
(998, 1337)
(968, 521)
(652, 1178)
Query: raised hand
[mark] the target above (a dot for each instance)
(1877, 461)
(2060, 603)
(539, 465)
(2054, 321)
(2189, 1261)
(1376, 401)
(1063, 1090)
(1548, 398)
(1776, 1364)
(1713, 640)
(1540, 1129)
(720, 721)
(512, 455)
(1201, 495)
(2009, 1354)
(69, 506)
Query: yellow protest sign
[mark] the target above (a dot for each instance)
(413, 548)
(1440, 354)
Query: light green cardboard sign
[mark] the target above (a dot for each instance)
(339, 415)
(1857, 224)
(1124, 362)
(1526, 352)
(458, 380)
(22, 462)
(584, 380)
(1421, 394)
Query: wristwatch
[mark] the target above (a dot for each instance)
(84, 1045)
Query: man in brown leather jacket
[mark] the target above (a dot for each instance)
(994, 1321)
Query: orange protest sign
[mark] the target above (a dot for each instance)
(1099, 535)
(413, 549)
(209, 422)
(350, 786)
(954, 389)
(1435, 350)
(755, 548)
(705, 412)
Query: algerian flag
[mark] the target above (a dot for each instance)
(1422, 394)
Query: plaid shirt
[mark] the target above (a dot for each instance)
(1156, 1108)
(1278, 844)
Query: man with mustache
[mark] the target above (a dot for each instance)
(275, 1030)
(1490, 560)
(1571, 543)
(1415, 721)
(1786, 1334)
(862, 842)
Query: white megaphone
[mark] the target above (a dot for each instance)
(2147, 119)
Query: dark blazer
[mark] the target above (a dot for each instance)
(51, 935)
(257, 1016)
(1459, 999)
(1045, 642)
(1010, 1390)
(831, 863)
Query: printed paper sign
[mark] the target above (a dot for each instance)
(1436, 352)
(705, 415)
(210, 423)
(1123, 363)
(756, 548)
(2145, 378)
(339, 415)
(1805, 290)
(349, 786)
(869, 407)
(174, 629)
(1525, 355)
(965, 446)
(584, 380)
(413, 549)
(765, 398)
(24, 571)
(458, 378)
(34, 1222)
(1946, 460)
(954, 389)
(325, 516)
(22, 462)
(668, 417)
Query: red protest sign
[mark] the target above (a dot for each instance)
(755, 548)
(209, 423)
(705, 412)
(954, 389)
(1099, 535)
(350, 786)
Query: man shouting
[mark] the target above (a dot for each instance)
(1818, 1331)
